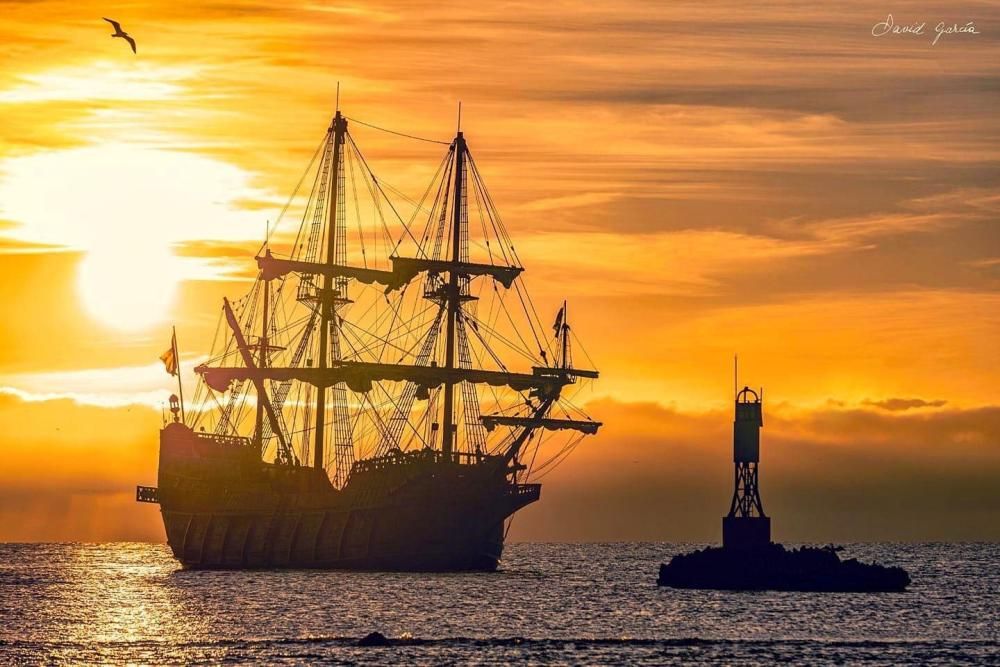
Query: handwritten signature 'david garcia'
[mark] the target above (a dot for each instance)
(889, 27)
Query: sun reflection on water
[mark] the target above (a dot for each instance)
(126, 601)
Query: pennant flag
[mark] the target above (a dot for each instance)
(169, 358)
(559, 318)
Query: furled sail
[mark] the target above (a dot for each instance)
(365, 335)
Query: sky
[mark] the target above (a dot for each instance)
(698, 179)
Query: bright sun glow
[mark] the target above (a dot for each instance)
(109, 293)
(126, 206)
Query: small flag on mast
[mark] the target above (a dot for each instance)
(559, 319)
(169, 358)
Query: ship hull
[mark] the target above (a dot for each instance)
(224, 508)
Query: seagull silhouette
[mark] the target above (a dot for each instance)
(121, 33)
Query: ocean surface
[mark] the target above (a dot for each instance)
(549, 603)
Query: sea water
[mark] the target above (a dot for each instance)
(561, 603)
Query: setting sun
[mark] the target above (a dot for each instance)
(126, 206)
(133, 304)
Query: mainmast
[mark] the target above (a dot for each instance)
(453, 294)
(327, 297)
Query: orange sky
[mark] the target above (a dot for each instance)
(698, 179)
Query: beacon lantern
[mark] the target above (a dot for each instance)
(746, 525)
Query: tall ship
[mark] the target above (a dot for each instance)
(385, 396)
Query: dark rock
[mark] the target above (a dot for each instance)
(772, 567)
(374, 639)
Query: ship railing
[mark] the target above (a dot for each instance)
(398, 457)
(225, 440)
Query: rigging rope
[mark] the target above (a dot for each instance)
(378, 184)
(399, 134)
(381, 328)
(291, 198)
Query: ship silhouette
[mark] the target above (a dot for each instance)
(367, 414)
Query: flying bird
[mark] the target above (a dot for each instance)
(121, 33)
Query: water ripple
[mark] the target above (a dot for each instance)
(566, 603)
